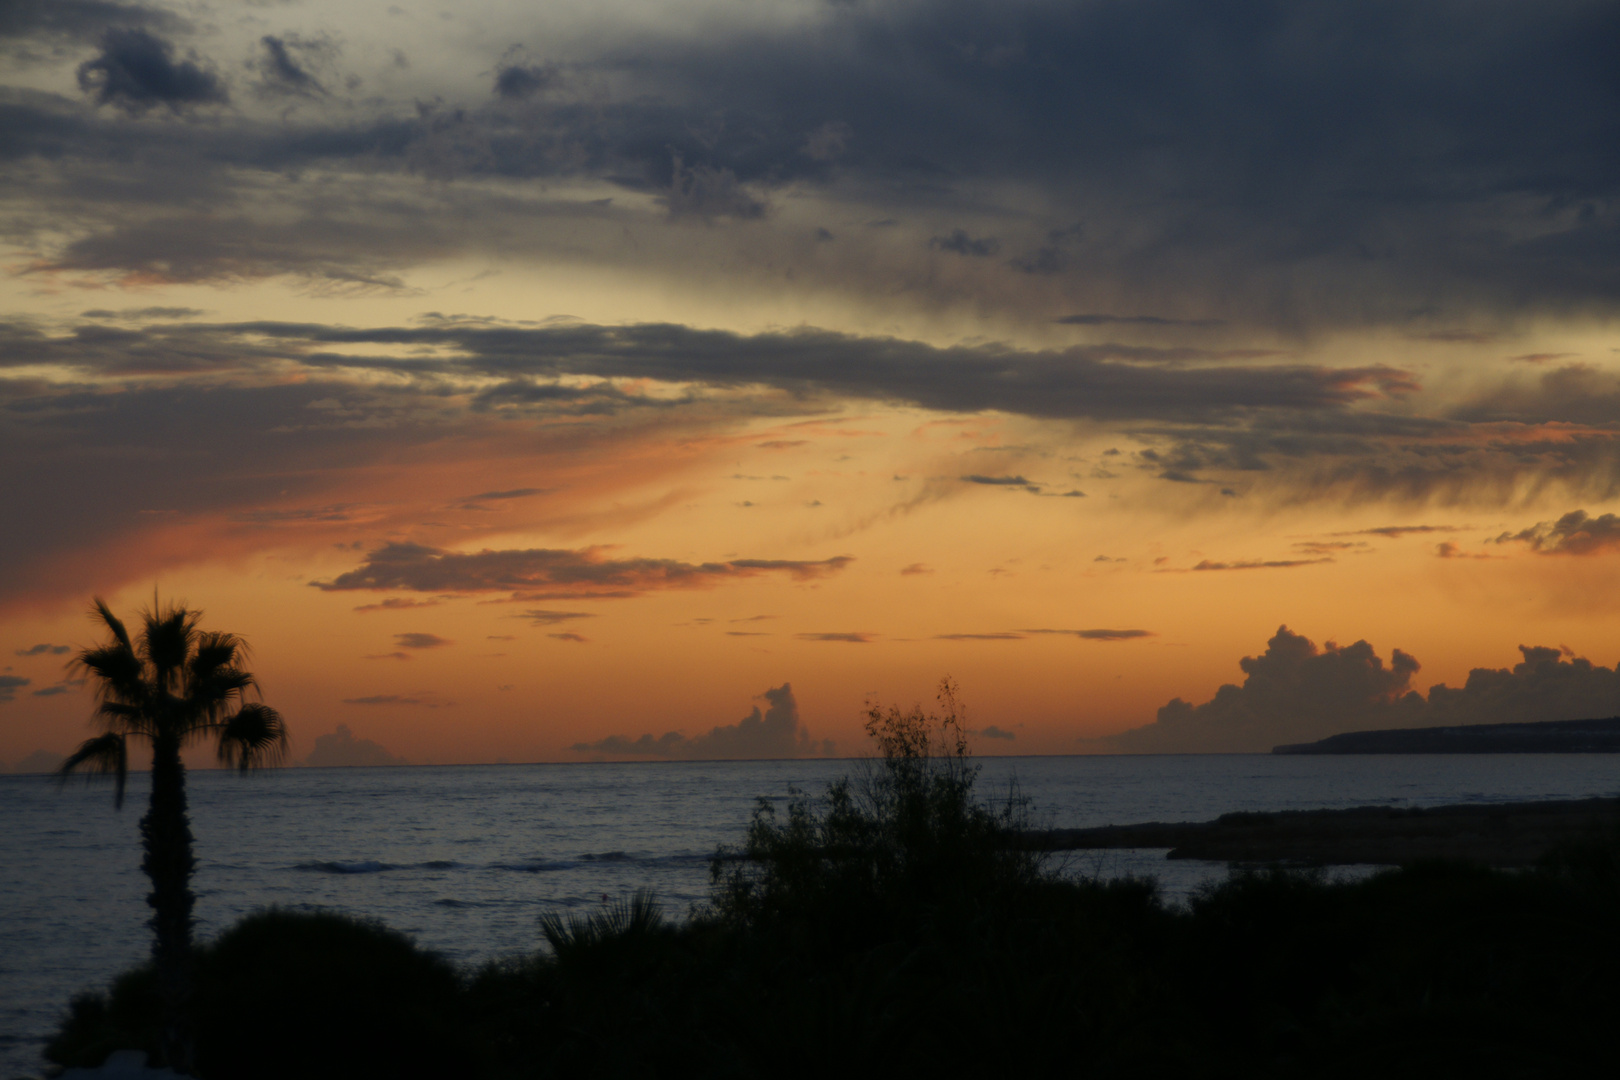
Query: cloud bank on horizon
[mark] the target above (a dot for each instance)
(1297, 692)
(913, 323)
(775, 733)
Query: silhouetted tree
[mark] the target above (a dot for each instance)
(173, 685)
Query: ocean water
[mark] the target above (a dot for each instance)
(465, 858)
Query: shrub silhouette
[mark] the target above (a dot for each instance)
(286, 993)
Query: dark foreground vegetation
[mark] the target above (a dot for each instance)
(889, 929)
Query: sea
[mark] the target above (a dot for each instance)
(465, 858)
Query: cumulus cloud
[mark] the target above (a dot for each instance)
(539, 573)
(1576, 533)
(341, 749)
(40, 761)
(9, 685)
(1295, 692)
(137, 71)
(774, 733)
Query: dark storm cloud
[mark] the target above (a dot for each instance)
(137, 71)
(1295, 692)
(775, 733)
(81, 20)
(958, 242)
(516, 82)
(1106, 381)
(282, 70)
(540, 572)
(1297, 165)
(1573, 534)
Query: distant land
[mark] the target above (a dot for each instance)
(1544, 737)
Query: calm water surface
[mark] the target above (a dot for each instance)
(465, 857)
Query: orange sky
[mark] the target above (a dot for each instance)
(498, 434)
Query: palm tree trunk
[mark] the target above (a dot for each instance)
(166, 839)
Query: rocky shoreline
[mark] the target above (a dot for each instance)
(1501, 835)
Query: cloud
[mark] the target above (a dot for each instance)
(994, 732)
(1099, 635)
(958, 242)
(1575, 533)
(538, 573)
(1295, 692)
(775, 733)
(9, 685)
(1262, 116)
(44, 649)
(542, 617)
(518, 82)
(136, 71)
(1395, 532)
(1258, 564)
(998, 481)
(281, 70)
(51, 691)
(515, 493)
(853, 638)
(1448, 550)
(915, 568)
(1134, 320)
(578, 639)
(1002, 636)
(82, 20)
(40, 761)
(342, 750)
(399, 603)
(420, 641)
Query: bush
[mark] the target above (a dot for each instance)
(292, 994)
(904, 844)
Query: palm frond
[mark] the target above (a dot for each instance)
(254, 737)
(167, 637)
(120, 675)
(103, 755)
(209, 689)
(114, 623)
(123, 718)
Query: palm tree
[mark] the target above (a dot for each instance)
(173, 685)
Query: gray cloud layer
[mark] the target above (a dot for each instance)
(1295, 692)
(1294, 165)
(775, 733)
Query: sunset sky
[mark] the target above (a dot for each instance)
(525, 379)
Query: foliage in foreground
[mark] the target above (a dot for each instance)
(886, 929)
